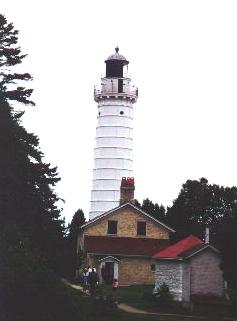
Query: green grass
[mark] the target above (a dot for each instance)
(131, 295)
(134, 296)
(92, 309)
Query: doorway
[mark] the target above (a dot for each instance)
(109, 272)
(120, 85)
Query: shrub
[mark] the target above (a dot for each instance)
(163, 295)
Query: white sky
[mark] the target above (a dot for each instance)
(183, 58)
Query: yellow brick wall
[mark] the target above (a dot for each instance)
(130, 270)
(135, 271)
(127, 225)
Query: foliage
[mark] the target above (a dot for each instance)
(74, 258)
(155, 210)
(29, 289)
(31, 231)
(10, 55)
(200, 204)
(77, 221)
(163, 295)
(26, 182)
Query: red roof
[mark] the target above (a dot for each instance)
(179, 248)
(123, 245)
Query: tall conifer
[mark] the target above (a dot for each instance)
(27, 197)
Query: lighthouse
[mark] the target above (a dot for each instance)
(113, 153)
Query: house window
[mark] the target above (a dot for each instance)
(141, 228)
(112, 227)
(153, 267)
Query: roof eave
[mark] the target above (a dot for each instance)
(202, 249)
(168, 258)
(121, 207)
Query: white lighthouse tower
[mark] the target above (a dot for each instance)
(114, 135)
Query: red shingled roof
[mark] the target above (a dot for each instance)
(178, 249)
(123, 245)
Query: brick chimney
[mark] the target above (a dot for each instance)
(127, 190)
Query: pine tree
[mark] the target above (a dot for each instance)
(74, 258)
(31, 231)
(10, 56)
(27, 197)
(155, 210)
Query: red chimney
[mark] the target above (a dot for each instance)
(127, 190)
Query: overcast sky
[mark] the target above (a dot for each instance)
(183, 58)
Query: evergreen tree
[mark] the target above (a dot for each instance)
(74, 258)
(27, 197)
(10, 56)
(78, 220)
(31, 231)
(155, 210)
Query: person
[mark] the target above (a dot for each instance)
(84, 280)
(88, 271)
(93, 281)
(115, 284)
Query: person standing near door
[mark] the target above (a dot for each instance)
(93, 281)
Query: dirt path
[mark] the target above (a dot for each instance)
(129, 309)
(76, 287)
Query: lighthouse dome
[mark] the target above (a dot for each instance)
(117, 56)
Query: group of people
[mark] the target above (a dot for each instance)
(90, 279)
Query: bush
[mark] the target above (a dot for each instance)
(29, 289)
(163, 295)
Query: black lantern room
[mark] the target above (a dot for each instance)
(115, 64)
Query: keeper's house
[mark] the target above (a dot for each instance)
(121, 243)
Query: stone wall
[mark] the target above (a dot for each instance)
(127, 225)
(200, 275)
(186, 282)
(206, 275)
(170, 273)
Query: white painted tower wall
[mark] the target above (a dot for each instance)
(113, 151)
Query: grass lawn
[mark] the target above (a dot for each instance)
(131, 295)
(93, 310)
(138, 297)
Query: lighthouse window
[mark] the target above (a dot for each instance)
(121, 112)
(99, 113)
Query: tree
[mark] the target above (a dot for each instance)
(10, 55)
(199, 205)
(155, 210)
(31, 231)
(29, 290)
(27, 197)
(74, 259)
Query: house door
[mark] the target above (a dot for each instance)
(109, 272)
